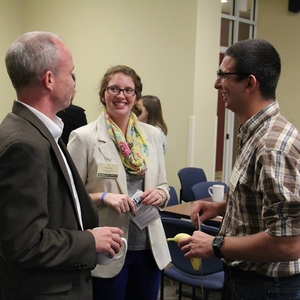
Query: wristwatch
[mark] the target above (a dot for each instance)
(217, 243)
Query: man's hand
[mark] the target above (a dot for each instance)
(206, 211)
(198, 245)
(107, 239)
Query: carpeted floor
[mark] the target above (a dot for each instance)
(170, 292)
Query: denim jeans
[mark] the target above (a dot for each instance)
(244, 285)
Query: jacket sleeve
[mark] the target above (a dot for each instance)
(161, 181)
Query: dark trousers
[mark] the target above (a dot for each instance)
(138, 279)
(249, 285)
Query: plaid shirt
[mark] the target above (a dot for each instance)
(264, 189)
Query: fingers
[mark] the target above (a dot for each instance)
(116, 243)
(194, 216)
(183, 242)
(194, 219)
(121, 203)
(124, 207)
(116, 231)
(127, 205)
(132, 207)
(107, 239)
(114, 249)
(152, 197)
(197, 209)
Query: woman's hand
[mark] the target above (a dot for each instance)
(154, 197)
(120, 202)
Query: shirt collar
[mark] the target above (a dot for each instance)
(55, 126)
(246, 130)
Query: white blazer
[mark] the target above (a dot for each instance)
(90, 145)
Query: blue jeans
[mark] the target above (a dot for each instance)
(243, 285)
(138, 279)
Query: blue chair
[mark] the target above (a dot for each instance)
(173, 196)
(188, 177)
(200, 190)
(172, 201)
(211, 274)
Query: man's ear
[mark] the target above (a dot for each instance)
(251, 83)
(48, 80)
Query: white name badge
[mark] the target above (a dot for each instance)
(108, 170)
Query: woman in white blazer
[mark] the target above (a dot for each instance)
(116, 155)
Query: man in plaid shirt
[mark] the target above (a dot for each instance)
(259, 236)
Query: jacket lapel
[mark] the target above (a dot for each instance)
(81, 191)
(110, 153)
(25, 113)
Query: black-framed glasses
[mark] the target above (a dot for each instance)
(223, 75)
(115, 90)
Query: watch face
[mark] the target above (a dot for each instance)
(217, 244)
(217, 240)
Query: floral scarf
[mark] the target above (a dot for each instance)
(133, 149)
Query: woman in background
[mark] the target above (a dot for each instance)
(152, 114)
(116, 155)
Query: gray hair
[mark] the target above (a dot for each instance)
(30, 56)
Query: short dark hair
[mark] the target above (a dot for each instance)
(259, 58)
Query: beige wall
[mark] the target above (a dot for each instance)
(172, 44)
(10, 27)
(161, 40)
(281, 28)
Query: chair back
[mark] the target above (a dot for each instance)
(173, 196)
(174, 226)
(172, 201)
(200, 190)
(188, 177)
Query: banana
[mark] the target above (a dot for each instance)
(195, 261)
(178, 237)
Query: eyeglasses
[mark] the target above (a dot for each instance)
(223, 75)
(115, 90)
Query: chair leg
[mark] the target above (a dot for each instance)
(206, 295)
(194, 294)
(162, 285)
(180, 291)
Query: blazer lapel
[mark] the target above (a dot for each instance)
(83, 197)
(24, 112)
(110, 153)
